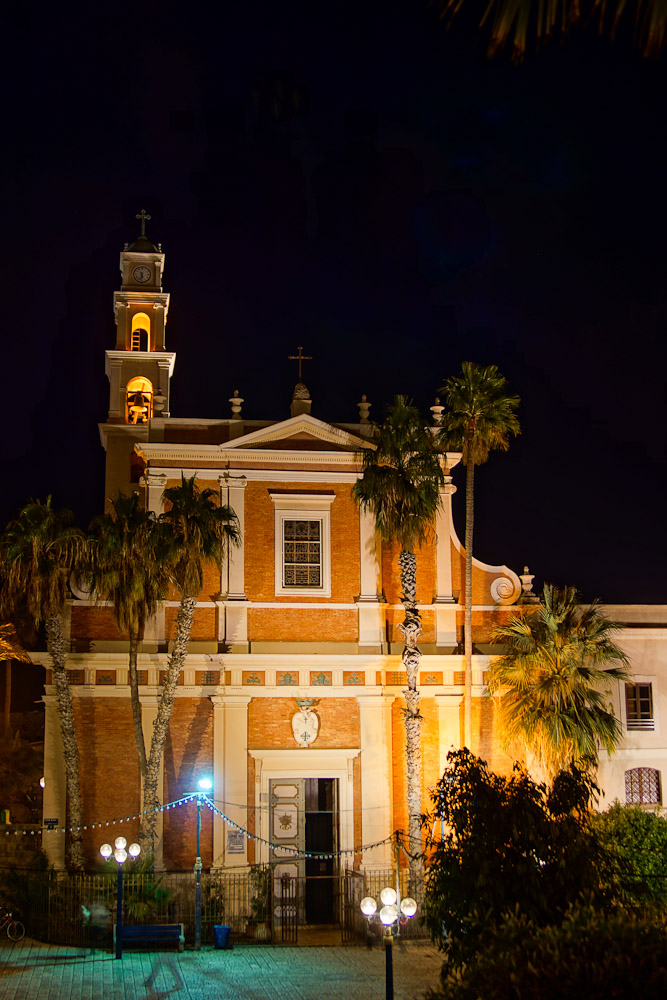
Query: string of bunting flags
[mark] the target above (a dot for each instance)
(287, 851)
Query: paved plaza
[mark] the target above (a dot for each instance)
(249, 972)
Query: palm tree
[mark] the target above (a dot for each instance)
(123, 566)
(38, 552)
(195, 530)
(554, 678)
(400, 485)
(10, 649)
(514, 19)
(479, 418)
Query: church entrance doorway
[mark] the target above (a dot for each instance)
(304, 830)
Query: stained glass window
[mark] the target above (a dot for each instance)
(302, 553)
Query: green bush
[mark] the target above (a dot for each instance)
(509, 843)
(635, 845)
(590, 955)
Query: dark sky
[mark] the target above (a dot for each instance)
(357, 179)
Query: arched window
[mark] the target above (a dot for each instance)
(642, 786)
(139, 401)
(140, 340)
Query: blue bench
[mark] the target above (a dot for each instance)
(152, 934)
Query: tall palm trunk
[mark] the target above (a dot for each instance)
(467, 622)
(411, 628)
(161, 725)
(8, 698)
(55, 643)
(136, 703)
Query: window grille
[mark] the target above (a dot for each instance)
(642, 786)
(639, 706)
(302, 553)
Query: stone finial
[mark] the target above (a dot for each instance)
(437, 410)
(301, 401)
(527, 595)
(237, 402)
(364, 408)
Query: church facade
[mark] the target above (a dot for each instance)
(291, 697)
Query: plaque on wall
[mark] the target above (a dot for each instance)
(235, 839)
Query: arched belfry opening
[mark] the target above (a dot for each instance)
(140, 334)
(139, 401)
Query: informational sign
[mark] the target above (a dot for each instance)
(51, 823)
(235, 841)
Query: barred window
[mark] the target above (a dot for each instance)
(302, 553)
(639, 706)
(642, 786)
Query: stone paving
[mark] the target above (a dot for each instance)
(261, 972)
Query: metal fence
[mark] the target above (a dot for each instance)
(51, 904)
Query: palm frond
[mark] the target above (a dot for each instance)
(554, 679)
(515, 22)
(402, 476)
(479, 416)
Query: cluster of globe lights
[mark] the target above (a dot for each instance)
(389, 913)
(118, 850)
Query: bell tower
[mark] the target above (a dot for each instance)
(139, 368)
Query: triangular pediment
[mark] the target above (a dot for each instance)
(301, 433)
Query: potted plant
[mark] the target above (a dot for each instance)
(260, 883)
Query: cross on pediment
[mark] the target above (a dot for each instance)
(144, 217)
(300, 357)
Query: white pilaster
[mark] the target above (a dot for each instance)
(443, 545)
(445, 612)
(155, 483)
(449, 725)
(230, 768)
(55, 787)
(370, 569)
(236, 590)
(149, 704)
(376, 777)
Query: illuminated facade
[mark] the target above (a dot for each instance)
(291, 696)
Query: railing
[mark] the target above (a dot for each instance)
(51, 904)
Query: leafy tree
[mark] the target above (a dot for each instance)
(400, 486)
(195, 529)
(125, 566)
(554, 680)
(479, 418)
(635, 844)
(590, 953)
(38, 552)
(509, 843)
(515, 20)
(10, 649)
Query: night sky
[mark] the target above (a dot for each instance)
(364, 182)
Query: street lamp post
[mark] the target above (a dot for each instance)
(205, 785)
(120, 854)
(389, 914)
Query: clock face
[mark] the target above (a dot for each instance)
(141, 273)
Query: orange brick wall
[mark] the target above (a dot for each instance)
(270, 723)
(301, 625)
(203, 625)
(95, 623)
(260, 542)
(109, 773)
(188, 756)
